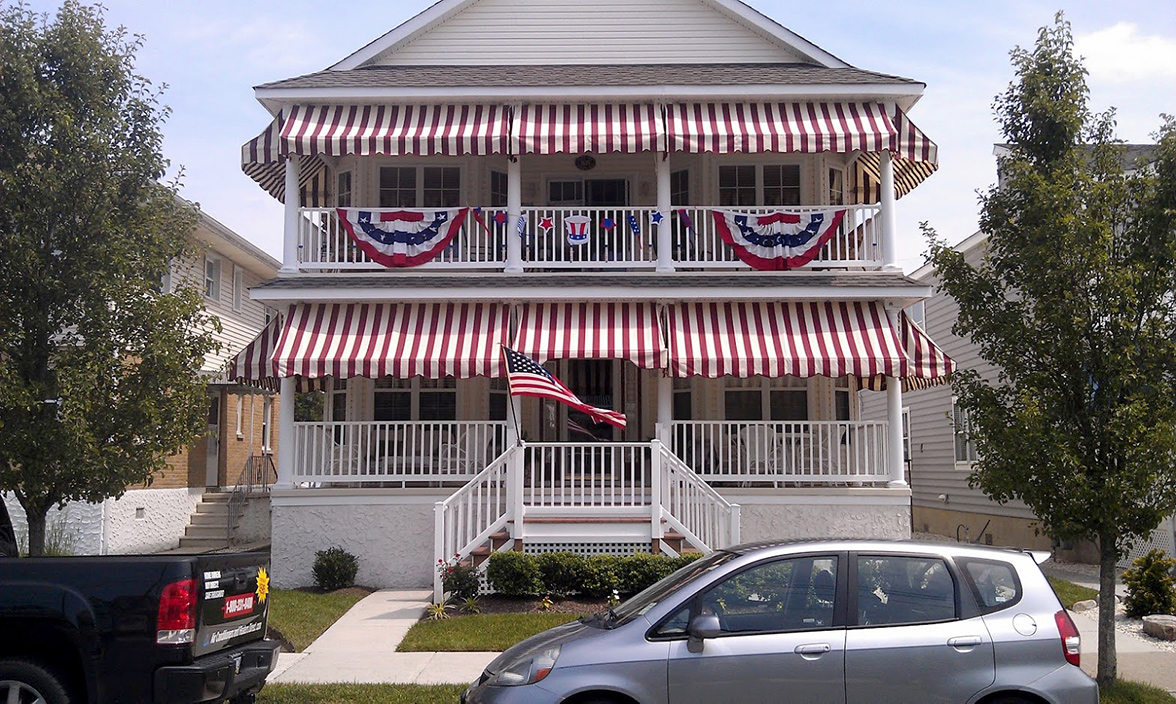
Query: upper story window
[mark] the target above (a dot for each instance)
(420, 186)
(238, 288)
(836, 183)
(781, 184)
(737, 185)
(842, 397)
(337, 399)
(498, 189)
(565, 192)
(680, 187)
(212, 277)
(343, 189)
(744, 185)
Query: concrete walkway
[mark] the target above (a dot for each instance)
(361, 647)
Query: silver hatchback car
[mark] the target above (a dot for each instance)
(830, 622)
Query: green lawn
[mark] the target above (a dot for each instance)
(1068, 592)
(1134, 693)
(360, 694)
(480, 632)
(303, 616)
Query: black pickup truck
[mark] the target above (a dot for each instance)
(132, 629)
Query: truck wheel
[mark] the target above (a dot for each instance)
(26, 682)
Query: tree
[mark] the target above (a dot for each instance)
(1073, 303)
(98, 366)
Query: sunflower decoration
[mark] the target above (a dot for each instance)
(262, 585)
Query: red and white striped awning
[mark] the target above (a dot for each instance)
(253, 366)
(396, 130)
(263, 161)
(432, 340)
(726, 128)
(916, 157)
(771, 338)
(576, 129)
(622, 330)
(929, 365)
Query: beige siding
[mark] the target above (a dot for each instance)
(238, 328)
(598, 32)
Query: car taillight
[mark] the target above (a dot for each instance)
(1071, 641)
(176, 624)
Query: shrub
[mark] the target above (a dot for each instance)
(642, 569)
(603, 575)
(334, 569)
(561, 573)
(514, 574)
(1151, 588)
(459, 579)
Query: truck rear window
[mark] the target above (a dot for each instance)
(994, 583)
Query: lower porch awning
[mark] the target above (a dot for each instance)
(253, 366)
(432, 340)
(930, 366)
(598, 330)
(804, 339)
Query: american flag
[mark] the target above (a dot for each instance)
(528, 378)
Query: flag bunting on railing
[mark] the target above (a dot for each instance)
(781, 240)
(402, 238)
(526, 377)
(634, 227)
(480, 218)
(686, 221)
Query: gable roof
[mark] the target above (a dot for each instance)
(790, 43)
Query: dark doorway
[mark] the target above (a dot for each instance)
(592, 380)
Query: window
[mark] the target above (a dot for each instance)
(760, 398)
(680, 188)
(420, 186)
(498, 189)
(442, 187)
(751, 184)
(683, 401)
(270, 314)
(212, 268)
(238, 288)
(499, 398)
(337, 395)
(415, 399)
(842, 393)
(917, 312)
(836, 186)
(398, 187)
(240, 413)
(965, 449)
(267, 414)
(994, 584)
(783, 595)
(895, 590)
(781, 184)
(343, 189)
(565, 192)
(906, 435)
(737, 185)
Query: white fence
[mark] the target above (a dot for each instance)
(586, 475)
(775, 453)
(394, 451)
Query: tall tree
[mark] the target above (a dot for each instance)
(98, 366)
(1073, 303)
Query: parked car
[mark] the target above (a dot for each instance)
(158, 628)
(814, 622)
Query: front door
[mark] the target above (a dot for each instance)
(594, 381)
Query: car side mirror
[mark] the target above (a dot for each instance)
(701, 627)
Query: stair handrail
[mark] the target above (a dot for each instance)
(712, 522)
(257, 467)
(477, 521)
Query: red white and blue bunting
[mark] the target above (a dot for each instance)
(781, 240)
(402, 238)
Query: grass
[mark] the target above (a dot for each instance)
(360, 694)
(1134, 693)
(303, 616)
(479, 632)
(1068, 592)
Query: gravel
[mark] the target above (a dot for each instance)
(1131, 628)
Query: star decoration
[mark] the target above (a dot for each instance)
(657, 217)
(608, 224)
(500, 218)
(546, 225)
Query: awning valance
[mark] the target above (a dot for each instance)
(396, 130)
(253, 366)
(745, 338)
(576, 129)
(372, 340)
(727, 128)
(598, 330)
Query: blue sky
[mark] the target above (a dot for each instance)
(211, 53)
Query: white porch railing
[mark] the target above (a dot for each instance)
(473, 513)
(593, 475)
(394, 451)
(775, 453)
(324, 245)
(693, 507)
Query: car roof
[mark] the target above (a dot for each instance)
(785, 547)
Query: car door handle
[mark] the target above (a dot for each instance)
(812, 649)
(964, 641)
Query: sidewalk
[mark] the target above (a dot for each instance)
(361, 647)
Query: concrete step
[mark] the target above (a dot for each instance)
(219, 497)
(218, 508)
(214, 531)
(210, 543)
(209, 519)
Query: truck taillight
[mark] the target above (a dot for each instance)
(176, 624)
(1071, 641)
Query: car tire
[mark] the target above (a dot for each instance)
(31, 681)
(1009, 699)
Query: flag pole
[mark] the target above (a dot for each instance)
(510, 412)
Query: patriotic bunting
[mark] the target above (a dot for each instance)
(634, 227)
(778, 241)
(577, 228)
(402, 238)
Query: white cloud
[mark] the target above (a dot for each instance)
(1121, 53)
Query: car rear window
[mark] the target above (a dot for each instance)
(994, 583)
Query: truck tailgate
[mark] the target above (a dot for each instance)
(234, 601)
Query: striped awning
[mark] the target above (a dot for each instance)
(753, 128)
(576, 129)
(599, 330)
(916, 157)
(253, 366)
(263, 161)
(803, 339)
(396, 130)
(432, 340)
(930, 366)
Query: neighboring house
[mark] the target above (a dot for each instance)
(242, 423)
(939, 454)
(585, 148)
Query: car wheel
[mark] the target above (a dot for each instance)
(25, 682)
(1009, 699)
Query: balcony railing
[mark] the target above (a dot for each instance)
(613, 238)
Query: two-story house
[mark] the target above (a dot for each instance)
(680, 207)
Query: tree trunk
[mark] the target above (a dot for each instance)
(36, 526)
(1108, 661)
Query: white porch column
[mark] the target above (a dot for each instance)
(665, 232)
(889, 229)
(894, 453)
(286, 434)
(514, 207)
(290, 238)
(665, 409)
